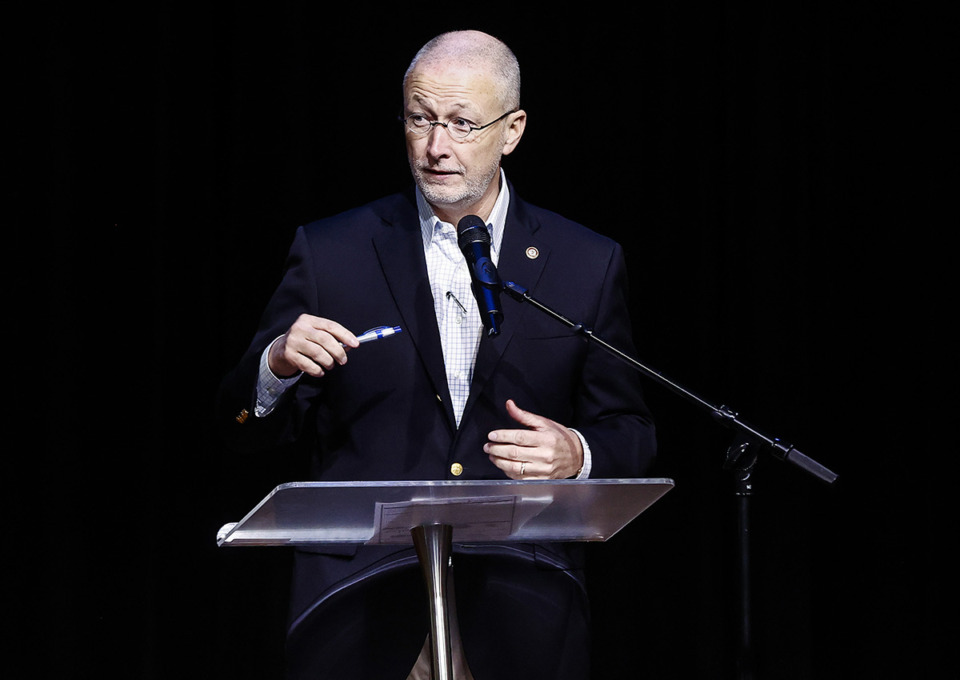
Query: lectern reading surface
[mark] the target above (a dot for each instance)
(305, 513)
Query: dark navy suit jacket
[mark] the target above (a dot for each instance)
(386, 414)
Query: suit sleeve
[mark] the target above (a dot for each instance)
(610, 411)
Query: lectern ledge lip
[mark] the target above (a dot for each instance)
(477, 482)
(225, 532)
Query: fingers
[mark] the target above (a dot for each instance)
(523, 454)
(312, 345)
(544, 449)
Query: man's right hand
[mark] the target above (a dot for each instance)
(313, 345)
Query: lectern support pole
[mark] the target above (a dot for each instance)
(434, 545)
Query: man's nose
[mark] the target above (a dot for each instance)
(438, 142)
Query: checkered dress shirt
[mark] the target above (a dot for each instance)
(458, 316)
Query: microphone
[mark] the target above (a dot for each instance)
(474, 240)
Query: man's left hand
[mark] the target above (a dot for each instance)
(544, 450)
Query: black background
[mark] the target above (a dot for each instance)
(783, 179)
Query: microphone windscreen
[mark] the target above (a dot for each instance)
(471, 229)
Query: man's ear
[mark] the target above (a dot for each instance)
(516, 124)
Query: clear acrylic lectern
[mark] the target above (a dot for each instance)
(432, 515)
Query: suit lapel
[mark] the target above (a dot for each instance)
(399, 247)
(522, 259)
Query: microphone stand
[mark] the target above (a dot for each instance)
(741, 457)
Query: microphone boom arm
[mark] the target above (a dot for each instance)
(722, 414)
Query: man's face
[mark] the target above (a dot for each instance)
(458, 178)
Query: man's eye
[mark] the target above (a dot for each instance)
(460, 124)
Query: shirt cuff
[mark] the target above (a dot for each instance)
(587, 458)
(269, 387)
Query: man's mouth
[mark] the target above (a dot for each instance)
(438, 173)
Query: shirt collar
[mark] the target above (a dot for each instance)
(495, 223)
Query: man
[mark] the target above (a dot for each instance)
(442, 399)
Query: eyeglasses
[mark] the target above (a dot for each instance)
(459, 129)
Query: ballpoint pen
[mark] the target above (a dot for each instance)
(378, 333)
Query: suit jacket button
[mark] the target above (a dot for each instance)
(456, 469)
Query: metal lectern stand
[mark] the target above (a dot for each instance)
(434, 515)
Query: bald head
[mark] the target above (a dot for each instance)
(478, 51)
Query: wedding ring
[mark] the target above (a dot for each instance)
(523, 466)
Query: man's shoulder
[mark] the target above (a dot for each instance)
(389, 210)
(554, 227)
